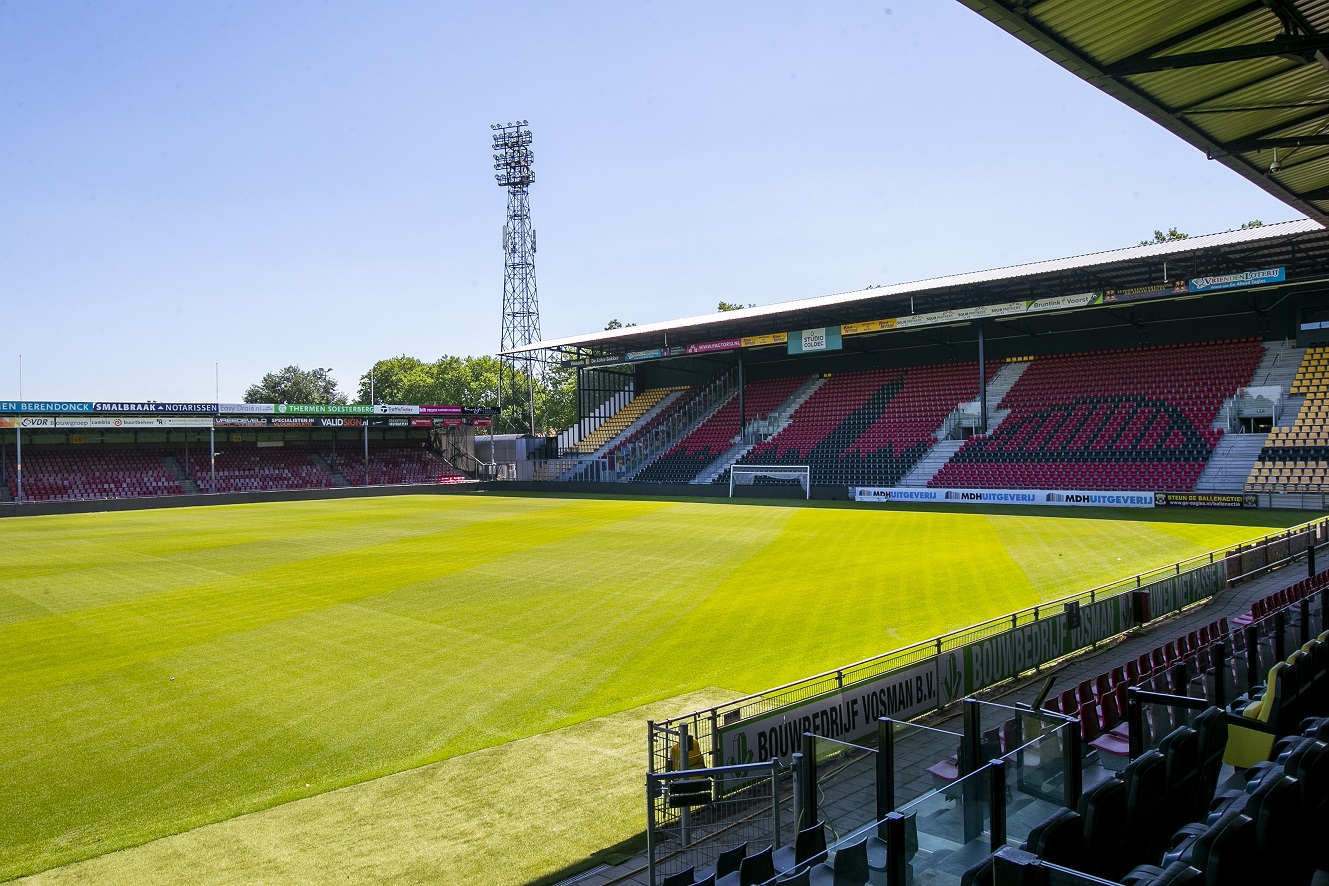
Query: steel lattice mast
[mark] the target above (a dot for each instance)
(521, 305)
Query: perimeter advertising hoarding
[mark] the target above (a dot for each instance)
(56, 406)
(324, 409)
(1206, 500)
(844, 715)
(851, 712)
(1062, 498)
(154, 407)
(111, 422)
(320, 421)
(343, 409)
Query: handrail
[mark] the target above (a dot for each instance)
(947, 641)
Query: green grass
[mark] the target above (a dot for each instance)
(169, 669)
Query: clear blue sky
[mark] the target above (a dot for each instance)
(256, 184)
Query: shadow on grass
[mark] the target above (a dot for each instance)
(612, 855)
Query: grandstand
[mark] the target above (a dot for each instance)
(1187, 739)
(869, 427)
(1295, 459)
(75, 452)
(619, 421)
(1135, 418)
(1082, 375)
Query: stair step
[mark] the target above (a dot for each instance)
(324, 465)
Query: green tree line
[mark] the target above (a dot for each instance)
(447, 381)
(473, 381)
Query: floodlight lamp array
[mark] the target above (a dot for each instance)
(514, 157)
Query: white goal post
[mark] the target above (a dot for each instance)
(746, 475)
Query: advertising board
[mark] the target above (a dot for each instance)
(724, 344)
(136, 422)
(811, 341)
(1060, 498)
(1206, 500)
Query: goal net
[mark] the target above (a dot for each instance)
(754, 475)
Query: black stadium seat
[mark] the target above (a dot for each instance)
(809, 847)
(1104, 812)
(1181, 754)
(682, 878)
(1058, 839)
(1146, 790)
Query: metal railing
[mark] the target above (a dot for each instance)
(704, 724)
(634, 455)
(692, 814)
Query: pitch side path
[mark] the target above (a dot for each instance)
(1085, 666)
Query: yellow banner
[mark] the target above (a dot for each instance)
(870, 326)
(756, 341)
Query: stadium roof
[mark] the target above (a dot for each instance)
(1245, 81)
(1303, 243)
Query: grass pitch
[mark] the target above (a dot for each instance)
(170, 669)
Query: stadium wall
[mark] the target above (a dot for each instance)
(93, 506)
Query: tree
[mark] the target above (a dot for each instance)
(614, 324)
(296, 385)
(473, 381)
(1160, 237)
(731, 306)
(1253, 223)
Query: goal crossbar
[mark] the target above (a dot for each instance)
(747, 475)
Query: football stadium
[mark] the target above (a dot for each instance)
(1011, 576)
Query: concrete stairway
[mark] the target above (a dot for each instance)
(326, 467)
(4, 492)
(1231, 463)
(998, 387)
(1278, 366)
(926, 468)
(176, 470)
(639, 423)
(680, 436)
(785, 414)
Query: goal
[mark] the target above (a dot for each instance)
(748, 475)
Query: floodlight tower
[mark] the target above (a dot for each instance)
(521, 306)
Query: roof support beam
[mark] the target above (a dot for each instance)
(1247, 145)
(1317, 194)
(1290, 16)
(1182, 110)
(1308, 117)
(1299, 47)
(1198, 31)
